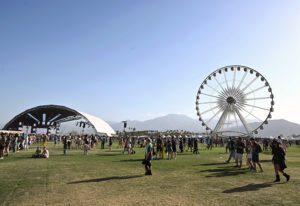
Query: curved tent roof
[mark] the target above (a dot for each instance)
(47, 115)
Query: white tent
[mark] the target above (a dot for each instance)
(100, 126)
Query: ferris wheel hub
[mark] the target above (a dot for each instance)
(231, 100)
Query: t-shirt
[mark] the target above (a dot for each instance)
(240, 147)
(231, 145)
(46, 153)
(148, 149)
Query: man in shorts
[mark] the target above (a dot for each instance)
(239, 152)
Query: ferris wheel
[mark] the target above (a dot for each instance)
(234, 101)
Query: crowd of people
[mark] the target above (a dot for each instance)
(162, 148)
(10, 142)
(156, 147)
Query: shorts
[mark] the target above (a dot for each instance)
(238, 156)
(169, 149)
(255, 157)
(249, 156)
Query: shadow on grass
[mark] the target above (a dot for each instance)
(109, 154)
(265, 161)
(113, 150)
(225, 171)
(189, 153)
(249, 188)
(107, 179)
(131, 160)
(212, 164)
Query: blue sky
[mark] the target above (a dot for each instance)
(141, 59)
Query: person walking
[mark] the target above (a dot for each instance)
(256, 149)
(2, 146)
(249, 155)
(169, 149)
(174, 148)
(65, 143)
(239, 152)
(159, 148)
(279, 161)
(148, 157)
(231, 147)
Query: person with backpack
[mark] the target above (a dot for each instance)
(256, 149)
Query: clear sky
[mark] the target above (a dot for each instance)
(138, 59)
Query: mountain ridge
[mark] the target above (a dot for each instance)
(183, 122)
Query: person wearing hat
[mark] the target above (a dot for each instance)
(148, 157)
(279, 161)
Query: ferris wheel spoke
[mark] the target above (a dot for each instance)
(244, 76)
(236, 122)
(256, 107)
(248, 85)
(209, 110)
(226, 80)
(228, 118)
(234, 76)
(255, 90)
(221, 120)
(219, 84)
(209, 95)
(208, 102)
(252, 115)
(220, 110)
(213, 89)
(246, 126)
(257, 98)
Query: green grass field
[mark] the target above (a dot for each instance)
(111, 178)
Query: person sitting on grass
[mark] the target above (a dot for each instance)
(45, 153)
(37, 153)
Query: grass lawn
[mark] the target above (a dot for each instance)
(111, 178)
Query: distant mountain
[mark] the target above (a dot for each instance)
(1, 126)
(183, 122)
(168, 122)
(277, 127)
